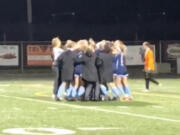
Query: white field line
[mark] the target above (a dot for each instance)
(157, 106)
(95, 109)
(52, 108)
(97, 128)
(4, 85)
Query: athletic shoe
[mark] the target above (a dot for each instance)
(114, 99)
(102, 97)
(146, 90)
(128, 99)
(123, 98)
(53, 96)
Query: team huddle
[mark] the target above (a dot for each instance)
(90, 71)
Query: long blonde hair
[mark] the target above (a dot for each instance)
(56, 42)
(69, 44)
(83, 45)
(122, 46)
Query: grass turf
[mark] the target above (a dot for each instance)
(26, 103)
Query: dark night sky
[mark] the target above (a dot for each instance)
(75, 19)
(13, 11)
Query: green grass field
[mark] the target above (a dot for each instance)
(25, 102)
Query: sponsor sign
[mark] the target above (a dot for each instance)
(9, 55)
(39, 55)
(178, 65)
(134, 57)
(173, 51)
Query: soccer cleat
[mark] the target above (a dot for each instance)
(58, 99)
(146, 90)
(128, 99)
(53, 96)
(102, 97)
(114, 99)
(123, 98)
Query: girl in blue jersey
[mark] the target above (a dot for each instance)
(118, 89)
(78, 89)
(121, 70)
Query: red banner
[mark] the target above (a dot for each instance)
(39, 55)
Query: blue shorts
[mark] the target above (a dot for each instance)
(121, 72)
(77, 75)
(119, 75)
(78, 71)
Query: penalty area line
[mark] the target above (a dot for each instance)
(95, 109)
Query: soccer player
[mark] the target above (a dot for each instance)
(105, 70)
(89, 73)
(56, 52)
(67, 61)
(124, 73)
(78, 88)
(121, 71)
(149, 63)
(117, 89)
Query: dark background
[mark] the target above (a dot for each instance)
(99, 19)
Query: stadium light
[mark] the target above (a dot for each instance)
(29, 19)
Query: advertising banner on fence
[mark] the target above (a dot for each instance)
(39, 55)
(173, 51)
(9, 55)
(133, 56)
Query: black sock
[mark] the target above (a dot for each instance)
(147, 83)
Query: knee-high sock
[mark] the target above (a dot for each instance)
(127, 90)
(147, 83)
(115, 92)
(69, 91)
(61, 90)
(74, 91)
(120, 88)
(103, 89)
(81, 91)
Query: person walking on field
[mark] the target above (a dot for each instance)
(149, 65)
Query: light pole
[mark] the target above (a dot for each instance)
(29, 11)
(29, 19)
